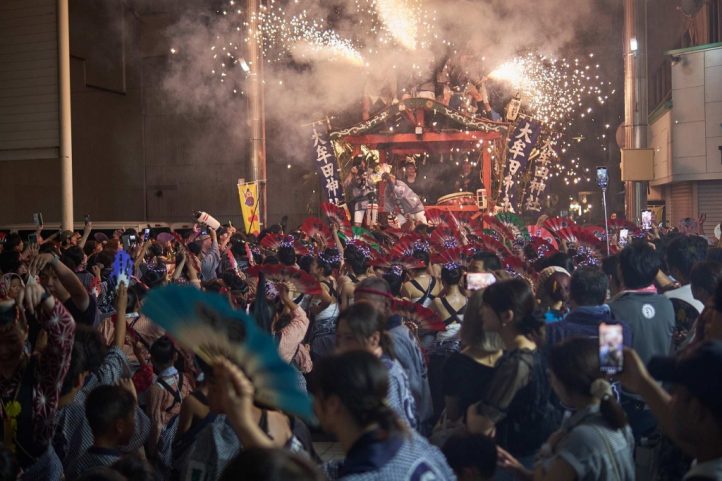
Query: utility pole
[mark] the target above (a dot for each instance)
(66, 136)
(257, 144)
(635, 96)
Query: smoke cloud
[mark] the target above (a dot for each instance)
(310, 83)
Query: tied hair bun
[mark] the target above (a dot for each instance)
(601, 389)
(534, 320)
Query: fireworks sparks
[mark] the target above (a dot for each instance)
(400, 18)
(360, 33)
(305, 38)
(552, 89)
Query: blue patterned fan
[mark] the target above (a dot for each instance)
(122, 269)
(210, 327)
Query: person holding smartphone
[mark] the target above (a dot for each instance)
(595, 443)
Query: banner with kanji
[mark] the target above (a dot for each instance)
(248, 194)
(519, 147)
(539, 170)
(326, 164)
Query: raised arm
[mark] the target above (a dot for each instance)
(236, 399)
(121, 325)
(67, 278)
(59, 325)
(86, 234)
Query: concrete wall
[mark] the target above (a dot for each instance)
(697, 115)
(660, 139)
(136, 155)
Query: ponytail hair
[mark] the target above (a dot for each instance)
(575, 363)
(364, 320)
(361, 382)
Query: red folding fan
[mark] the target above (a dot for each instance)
(423, 318)
(317, 229)
(278, 273)
(335, 213)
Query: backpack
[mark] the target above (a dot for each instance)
(531, 417)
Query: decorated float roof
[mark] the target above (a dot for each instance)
(421, 125)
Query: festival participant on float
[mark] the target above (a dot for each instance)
(350, 401)
(377, 292)
(30, 385)
(516, 403)
(418, 184)
(361, 327)
(363, 191)
(400, 200)
(595, 443)
(468, 180)
(422, 288)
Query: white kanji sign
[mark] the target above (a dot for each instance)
(514, 167)
(327, 170)
(541, 171)
(331, 187)
(517, 149)
(524, 133)
(322, 154)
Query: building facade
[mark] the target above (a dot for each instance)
(685, 121)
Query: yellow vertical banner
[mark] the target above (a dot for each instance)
(248, 195)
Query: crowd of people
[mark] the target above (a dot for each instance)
(452, 347)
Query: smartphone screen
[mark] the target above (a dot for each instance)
(646, 219)
(479, 280)
(146, 234)
(623, 237)
(611, 344)
(38, 219)
(602, 177)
